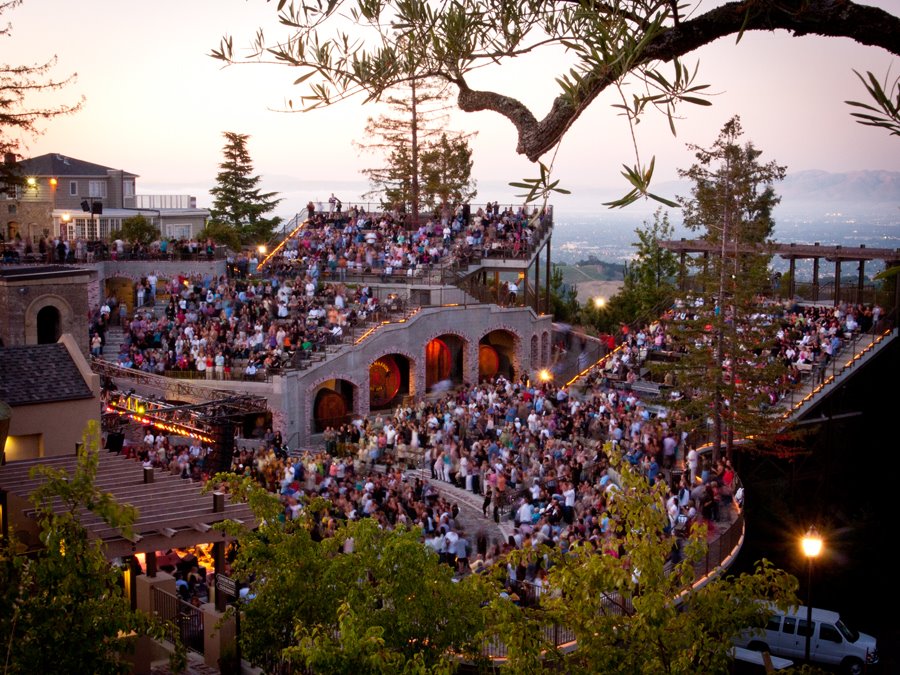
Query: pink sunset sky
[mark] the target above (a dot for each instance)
(156, 104)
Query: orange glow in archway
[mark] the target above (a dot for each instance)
(384, 381)
(437, 362)
(488, 362)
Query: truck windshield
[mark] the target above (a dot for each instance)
(849, 634)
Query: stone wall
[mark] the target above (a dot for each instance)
(471, 323)
(22, 299)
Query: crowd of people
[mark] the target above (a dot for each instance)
(798, 339)
(537, 454)
(259, 319)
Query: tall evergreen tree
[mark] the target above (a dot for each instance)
(424, 164)
(237, 199)
(727, 328)
(447, 169)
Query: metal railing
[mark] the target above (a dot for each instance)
(184, 621)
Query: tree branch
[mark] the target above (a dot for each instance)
(830, 18)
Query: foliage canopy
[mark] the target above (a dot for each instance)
(237, 200)
(62, 608)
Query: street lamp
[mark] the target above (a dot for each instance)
(599, 302)
(64, 224)
(811, 543)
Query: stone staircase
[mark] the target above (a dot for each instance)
(470, 506)
(115, 336)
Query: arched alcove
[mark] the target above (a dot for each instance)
(444, 360)
(48, 325)
(389, 381)
(497, 355)
(333, 405)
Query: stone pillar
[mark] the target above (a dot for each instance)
(547, 278)
(837, 282)
(861, 280)
(470, 362)
(145, 649)
(144, 585)
(219, 634)
(815, 284)
(792, 290)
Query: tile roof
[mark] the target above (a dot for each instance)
(32, 374)
(54, 164)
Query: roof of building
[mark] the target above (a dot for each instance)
(32, 272)
(54, 164)
(31, 374)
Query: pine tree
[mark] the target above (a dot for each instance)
(729, 372)
(237, 199)
(447, 169)
(425, 165)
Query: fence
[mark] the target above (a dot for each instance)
(184, 622)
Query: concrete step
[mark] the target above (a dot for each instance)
(463, 497)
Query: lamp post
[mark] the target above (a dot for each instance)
(811, 543)
(64, 224)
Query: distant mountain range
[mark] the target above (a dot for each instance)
(823, 187)
(854, 186)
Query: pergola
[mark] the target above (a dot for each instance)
(172, 511)
(793, 252)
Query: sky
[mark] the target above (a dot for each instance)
(156, 104)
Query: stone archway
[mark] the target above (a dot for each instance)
(333, 405)
(38, 309)
(390, 380)
(445, 360)
(498, 355)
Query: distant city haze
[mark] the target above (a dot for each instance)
(157, 104)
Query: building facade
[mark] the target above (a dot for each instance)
(75, 199)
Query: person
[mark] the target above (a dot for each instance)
(96, 345)
(488, 495)
(693, 461)
(513, 291)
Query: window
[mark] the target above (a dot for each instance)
(774, 623)
(128, 187)
(176, 231)
(803, 628)
(830, 633)
(790, 624)
(11, 208)
(97, 189)
(73, 188)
